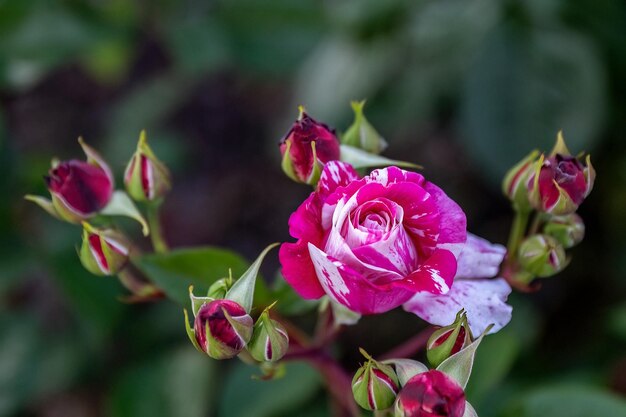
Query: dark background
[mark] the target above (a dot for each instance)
(465, 88)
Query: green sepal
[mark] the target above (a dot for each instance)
(365, 383)
(244, 331)
(242, 291)
(268, 331)
(122, 205)
(133, 174)
(559, 146)
(191, 333)
(406, 368)
(469, 410)
(94, 158)
(459, 366)
(437, 354)
(44, 203)
(514, 183)
(358, 158)
(361, 134)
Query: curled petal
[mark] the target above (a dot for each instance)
(479, 258)
(453, 222)
(483, 300)
(434, 276)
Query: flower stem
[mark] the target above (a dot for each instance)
(156, 234)
(518, 231)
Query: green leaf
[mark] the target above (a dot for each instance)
(459, 365)
(175, 271)
(572, 402)
(244, 396)
(360, 159)
(178, 383)
(242, 290)
(122, 205)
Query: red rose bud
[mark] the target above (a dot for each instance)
(514, 184)
(542, 256)
(560, 182)
(104, 251)
(306, 148)
(269, 341)
(449, 340)
(79, 189)
(146, 177)
(430, 394)
(375, 385)
(361, 134)
(568, 230)
(222, 328)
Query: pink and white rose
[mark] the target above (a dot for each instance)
(374, 243)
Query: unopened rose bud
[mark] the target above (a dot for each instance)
(560, 182)
(430, 394)
(146, 177)
(449, 340)
(568, 230)
(269, 341)
(542, 256)
(104, 251)
(222, 328)
(375, 385)
(306, 148)
(515, 182)
(361, 134)
(79, 190)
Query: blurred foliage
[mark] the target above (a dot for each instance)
(465, 88)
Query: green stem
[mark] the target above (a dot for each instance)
(534, 226)
(518, 231)
(156, 234)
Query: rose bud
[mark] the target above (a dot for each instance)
(430, 394)
(514, 184)
(542, 256)
(306, 148)
(222, 328)
(568, 230)
(146, 177)
(79, 189)
(375, 385)
(104, 251)
(362, 134)
(269, 341)
(560, 182)
(449, 340)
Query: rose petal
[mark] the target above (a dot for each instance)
(348, 287)
(298, 271)
(304, 223)
(335, 174)
(434, 276)
(484, 301)
(479, 258)
(453, 221)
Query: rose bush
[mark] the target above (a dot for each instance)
(373, 243)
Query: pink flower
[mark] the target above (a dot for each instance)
(431, 394)
(372, 243)
(306, 147)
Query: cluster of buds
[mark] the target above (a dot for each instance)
(223, 327)
(85, 190)
(553, 186)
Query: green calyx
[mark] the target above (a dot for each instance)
(514, 183)
(103, 251)
(151, 183)
(270, 341)
(568, 230)
(361, 134)
(375, 384)
(448, 340)
(542, 256)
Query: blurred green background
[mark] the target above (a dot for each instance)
(464, 87)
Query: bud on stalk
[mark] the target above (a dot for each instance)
(568, 230)
(306, 148)
(104, 251)
(515, 182)
(269, 341)
(430, 394)
(222, 328)
(542, 256)
(146, 177)
(449, 340)
(375, 385)
(361, 134)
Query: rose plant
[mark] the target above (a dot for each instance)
(366, 242)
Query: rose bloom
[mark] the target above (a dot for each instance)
(375, 243)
